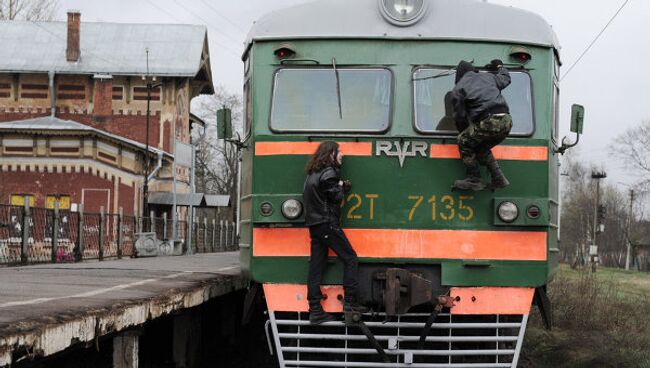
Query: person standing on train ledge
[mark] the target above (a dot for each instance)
(481, 110)
(323, 192)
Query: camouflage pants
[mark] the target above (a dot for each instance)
(476, 141)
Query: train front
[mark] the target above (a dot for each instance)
(373, 77)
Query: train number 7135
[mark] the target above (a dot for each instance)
(446, 207)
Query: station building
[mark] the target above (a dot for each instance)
(73, 110)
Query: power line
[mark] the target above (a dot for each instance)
(232, 39)
(595, 39)
(223, 16)
(233, 53)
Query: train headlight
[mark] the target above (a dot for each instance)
(507, 211)
(403, 12)
(292, 209)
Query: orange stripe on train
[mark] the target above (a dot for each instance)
(523, 153)
(308, 148)
(473, 300)
(401, 243)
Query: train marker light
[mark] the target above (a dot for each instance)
(284, 51)
(533, 212)
(292, 209)
(403, 12)
(508, 211)
(266, 209)
(520, 54)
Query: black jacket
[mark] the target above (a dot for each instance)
(322, 197)
(478, 94)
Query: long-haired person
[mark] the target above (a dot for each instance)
(323, 193)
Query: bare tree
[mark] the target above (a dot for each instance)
(633, 148)
(217, 161)
(578, 217)
(28, 9)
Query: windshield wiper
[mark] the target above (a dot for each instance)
(444, 73)
(441, 74)
(338, 88)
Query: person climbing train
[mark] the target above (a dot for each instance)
(483, 113)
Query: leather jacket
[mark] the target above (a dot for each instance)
(479, 94)
(322, 197)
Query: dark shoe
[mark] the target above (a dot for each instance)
(497, 179)
(471, 182)
(318, 316)
(354, 307)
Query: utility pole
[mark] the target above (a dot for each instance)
(593, 250)
(145, 187)
(629, 226)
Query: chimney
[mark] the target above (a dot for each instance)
(73, 50)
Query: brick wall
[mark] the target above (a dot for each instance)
(133, 127)
(96, 190)
(103, 99)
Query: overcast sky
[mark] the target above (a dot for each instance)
(612, 81)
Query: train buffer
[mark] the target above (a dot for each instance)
(44, 309)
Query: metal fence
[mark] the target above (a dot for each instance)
(27, 235)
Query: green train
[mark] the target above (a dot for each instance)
(372, 75)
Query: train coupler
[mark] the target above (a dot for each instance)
(404, 290)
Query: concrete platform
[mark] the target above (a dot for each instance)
(45, 309)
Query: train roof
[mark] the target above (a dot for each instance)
(445, 20)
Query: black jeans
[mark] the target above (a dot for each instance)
(324, 236)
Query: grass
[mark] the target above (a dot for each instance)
(600, 319)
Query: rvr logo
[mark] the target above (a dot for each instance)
(401, 150)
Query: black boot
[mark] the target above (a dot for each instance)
(351, 305)
(471, 182)
(317, 315)
(497, 179)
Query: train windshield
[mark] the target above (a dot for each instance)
(433, 109)
(341, 100)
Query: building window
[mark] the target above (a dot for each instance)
(5, 90)
(20, 150)
(64, 150)
(71, 92)
(118, 93)
(140, 93)
(19, 199)
(30, 90)
(62, 200)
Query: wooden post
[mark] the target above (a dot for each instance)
(55, 231)
(27, 219)
(152, 223)
(102, 231)
(221, 246)
(214, 231)
(234, 235)
(79, 249)
(164, 233)
(205, 235)
(120, 232)
(227, 237)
